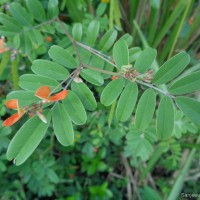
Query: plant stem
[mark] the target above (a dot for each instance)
(102, 71)
(95, 52)
(155, 88)
(176, 189)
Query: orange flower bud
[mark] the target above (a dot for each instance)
(48, 39)
(2, 46)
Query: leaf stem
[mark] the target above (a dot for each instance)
(155, 88)
(102, 71)
(95, 53)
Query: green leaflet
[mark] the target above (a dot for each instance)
(20, 14)
(6, 31)
(121, 54)
(165, 119)
(97, 62)
(186, 84)
(128, 39)
(127, 102)
(145, 60)
(62, 125)
(10, 23)
(49, 69)
(32, 82)
(92, 77)
(145, 109)
(190, 107)
(112, 91)
(134, 54)
(75, 108)
(85, 94)
(137, 143)
(172, 68)
(36, 9)
(108, 40)
(36, 37)
(52, 9)
(92, 32)
(25, 97)
(27, 139)
(62, 57)
(48, 28)
(25, 43)
(77, 31)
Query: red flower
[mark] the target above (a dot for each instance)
(44, 93)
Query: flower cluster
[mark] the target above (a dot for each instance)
(43, 93)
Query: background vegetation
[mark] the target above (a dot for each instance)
(103, 163)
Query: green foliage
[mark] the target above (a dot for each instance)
(120, 54)
(145, 109)
(145, 60)
(112, 91)
(170, 69)
(127, 102)
(27, 139)
(165, 118)
(137, 125)
(64, 131)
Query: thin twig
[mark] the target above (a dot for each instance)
(130, 175)
(95, 53)
(102, 71)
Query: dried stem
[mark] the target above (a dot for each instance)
(130, 176)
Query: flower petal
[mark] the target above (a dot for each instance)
(12, 104)
(13, 119)
(43, 92)
(59, 96)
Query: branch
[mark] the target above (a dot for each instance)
(130, 175)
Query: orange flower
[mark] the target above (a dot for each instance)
(2, 46)
(13, 104)
(44, 93)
